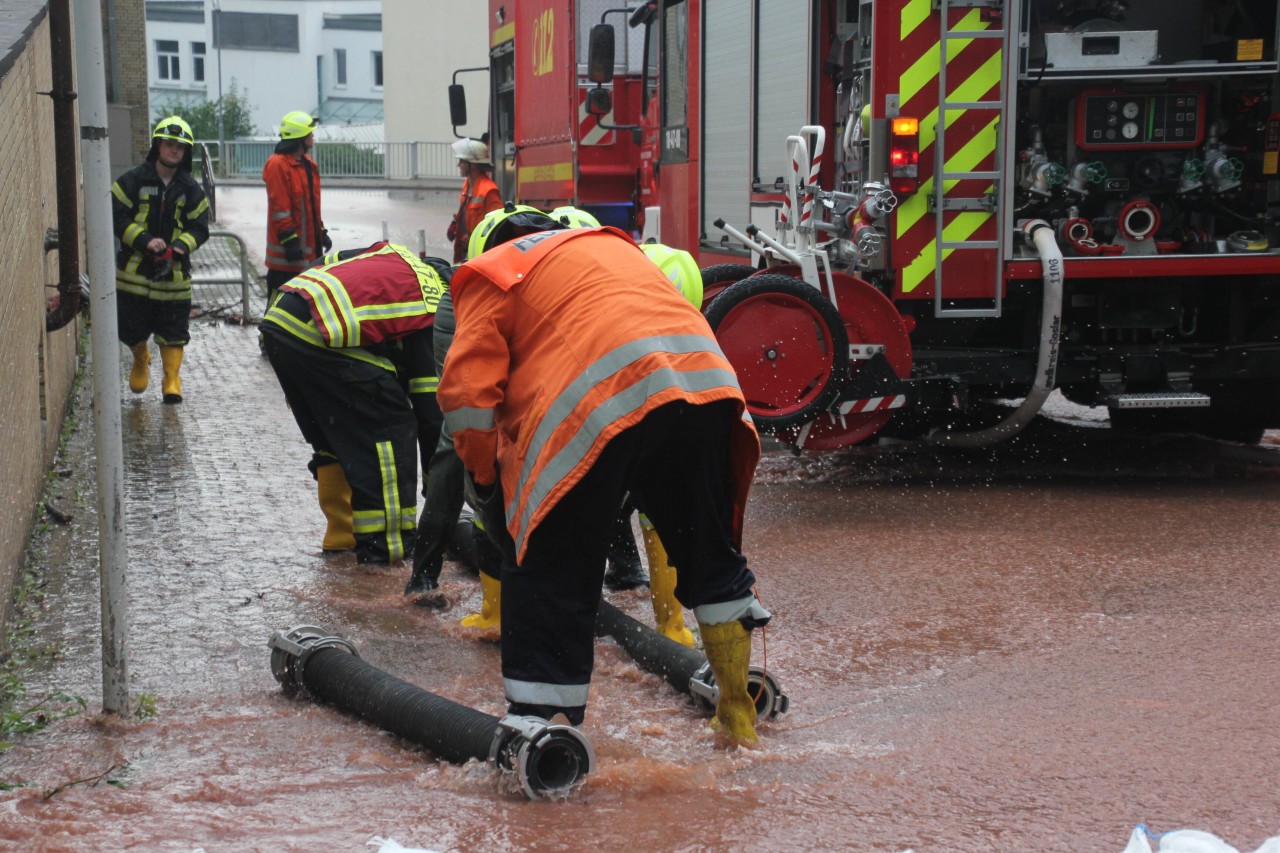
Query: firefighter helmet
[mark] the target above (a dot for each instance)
(573, 217)
(174, 128)
(297, 125)
(471, 151)
(507, 223)
(680, 267)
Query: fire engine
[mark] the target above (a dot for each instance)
(907, 208)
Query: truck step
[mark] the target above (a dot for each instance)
(1158, 400)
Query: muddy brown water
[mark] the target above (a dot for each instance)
(1033, 649)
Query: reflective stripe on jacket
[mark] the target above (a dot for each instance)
(293, 207)
(564, 339)
(143, 207)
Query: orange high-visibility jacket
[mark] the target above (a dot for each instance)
(293, 207)
(565, 339)
(478, 197)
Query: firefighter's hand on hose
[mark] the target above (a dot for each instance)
(155, 245)
(325, 243)
(292, 247)
(487, 501)
(452, 233)
(161, 264)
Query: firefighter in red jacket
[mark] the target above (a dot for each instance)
(478, 197)
(350, 342)
(578, 374)
(296, 236)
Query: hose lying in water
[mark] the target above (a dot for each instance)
(683, 668)
(548, 760)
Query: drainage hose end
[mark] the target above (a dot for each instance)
(548, 759)
(290, 650)
(769, 698)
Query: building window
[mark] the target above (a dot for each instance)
(377, 69)
(167, 61)
(340, 67)
(255, 31)
(197, 61)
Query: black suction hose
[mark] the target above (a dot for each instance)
(548, 759)
(683, 668)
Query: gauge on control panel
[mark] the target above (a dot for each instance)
(1111, 119)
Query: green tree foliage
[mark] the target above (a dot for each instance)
(203, 116)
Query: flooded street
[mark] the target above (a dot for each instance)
(1034, 648)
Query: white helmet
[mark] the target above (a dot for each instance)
(471, 150)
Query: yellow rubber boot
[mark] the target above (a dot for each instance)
(140, 372)
(490, 615)
(335, 501)
(668, 615)
(728, 650)
(171, 358)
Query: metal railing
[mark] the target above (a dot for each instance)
(213, 266)
(386, 160)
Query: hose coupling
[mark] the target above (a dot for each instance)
(290, 650)
(769, 698)
(548, 759)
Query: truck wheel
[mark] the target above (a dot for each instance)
(788, 345)
(717, 277)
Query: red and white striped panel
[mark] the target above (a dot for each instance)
(873, 404)
(589, 130)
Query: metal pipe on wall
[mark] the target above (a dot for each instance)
(64, 159)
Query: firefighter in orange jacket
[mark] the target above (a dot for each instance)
(350, 342)
(296, 236)
(578, 374)
(478, 197)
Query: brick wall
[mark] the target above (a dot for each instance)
(124, 40)
(36, 369)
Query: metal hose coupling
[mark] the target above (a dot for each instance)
(769, 698)
(548, 759)
(291, 649)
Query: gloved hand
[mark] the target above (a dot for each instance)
(452, 233)
(325, 243)
(487, 502)
(292, 248)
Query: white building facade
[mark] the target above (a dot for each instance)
(425, 42)
(324, 57)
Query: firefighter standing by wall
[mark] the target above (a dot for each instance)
(160, 216)
(347, 340)
(479, 194)
(296, 236)
(577, 374)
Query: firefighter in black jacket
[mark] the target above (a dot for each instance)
(160, 216)
(350, 342)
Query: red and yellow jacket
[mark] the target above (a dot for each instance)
(293, 208)
(565, 339)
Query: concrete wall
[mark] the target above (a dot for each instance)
(36, 369)
(424, 42)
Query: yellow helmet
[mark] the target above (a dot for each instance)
(573, 217)
(297, 125)
(507, 223)
(174, 128)
(679, 266)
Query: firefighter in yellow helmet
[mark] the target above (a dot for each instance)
(296, 236)
(160, 216)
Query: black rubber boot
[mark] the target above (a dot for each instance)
(625, 571)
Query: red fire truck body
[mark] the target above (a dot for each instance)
(904, 207)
